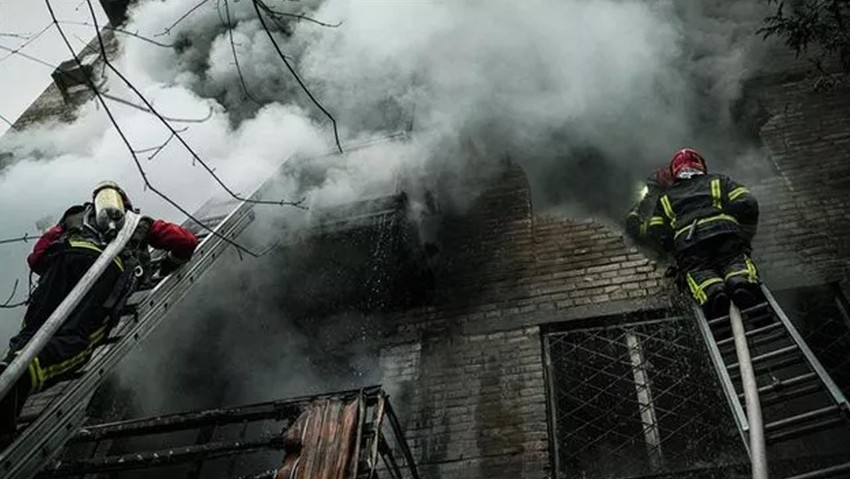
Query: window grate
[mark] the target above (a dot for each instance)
(636, 399)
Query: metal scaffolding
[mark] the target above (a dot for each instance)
(236, 435)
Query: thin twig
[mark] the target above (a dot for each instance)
(295, 74)
(8, 303)
(119, 99)
(122, 31)
(20, 239)
(22, 36)
(235, 56)
(195, 157)
(6, 120)
(298, 16)
(167, 31)
(14, 51)
(158, 148)
(14, 290)
(26, 43)
(148, 110)
(126, 141)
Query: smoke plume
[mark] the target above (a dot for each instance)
(587, 96)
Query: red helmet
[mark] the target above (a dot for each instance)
(687, 158)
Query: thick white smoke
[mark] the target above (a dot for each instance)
(588, 96)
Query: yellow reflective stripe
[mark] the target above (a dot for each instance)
(721, 217)
(98, 335)
(751, 270)
(66, 365)
(739, 191)
(715, 193)
(633, 213)
(39, 372)
(91, 246)
(698, 290)
(695, 289)
(656, 221)
(33, 377)
(668, 209)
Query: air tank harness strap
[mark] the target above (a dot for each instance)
(84, 244)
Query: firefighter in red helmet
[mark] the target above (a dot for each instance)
(708, 221)
(61, 257)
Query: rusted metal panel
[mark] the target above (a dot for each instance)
(321, 442)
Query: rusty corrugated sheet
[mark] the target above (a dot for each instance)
(321, 442)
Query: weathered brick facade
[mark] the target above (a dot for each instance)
(470, 372)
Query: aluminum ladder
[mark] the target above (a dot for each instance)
(799, 398)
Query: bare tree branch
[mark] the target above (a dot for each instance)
(22, 36)
(126, 141)
(148, 110)
(195, 156)
(122, 31)
(8, 303)
(6, 120)
(167, 31)
(21, 239)
(158, 148)
(235, 56)
(16, 51)
(291, 69)
(26, 43)
(297, 17)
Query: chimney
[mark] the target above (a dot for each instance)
(71, 78)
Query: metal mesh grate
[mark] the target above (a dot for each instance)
(637, 399)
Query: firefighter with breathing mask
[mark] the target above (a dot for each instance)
(61, 257)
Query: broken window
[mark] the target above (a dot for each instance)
(635, 398)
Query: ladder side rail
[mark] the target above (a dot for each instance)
(46, 435)
(725, 380)
(55, 321)
(813, 361)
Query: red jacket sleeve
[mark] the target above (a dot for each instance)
(175, 239)
(36, 259)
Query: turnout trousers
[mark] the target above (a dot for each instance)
(719, 269)
(72, 345)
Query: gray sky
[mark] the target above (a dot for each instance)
(22, 80)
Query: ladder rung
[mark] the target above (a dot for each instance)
(772, 388)
(771, 355)
(765, 305)
(761, 368)
(751, 333)
(803, 430)
(783, 396)
(799, 418)
(832, 471)
(744, 313)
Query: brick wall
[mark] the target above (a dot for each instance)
(467, 372)
(805, 229)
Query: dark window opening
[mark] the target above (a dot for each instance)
(820, 314)
(635, 399)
